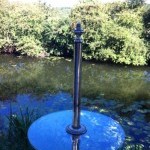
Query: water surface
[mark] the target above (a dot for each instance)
(121, 92)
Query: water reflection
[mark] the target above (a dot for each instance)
(119, 92)
(75, 142)
(37, 77)
(47, 104)
(134, 117)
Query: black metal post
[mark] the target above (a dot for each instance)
(76, 128)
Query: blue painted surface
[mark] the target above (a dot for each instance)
(103, 133)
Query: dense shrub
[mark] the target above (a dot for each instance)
(146, 20)
(117, 39)
(59, 37)
(113, 32)
(135, 3)
(22, 28)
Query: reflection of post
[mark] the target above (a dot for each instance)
(75, 142)
(76, 128)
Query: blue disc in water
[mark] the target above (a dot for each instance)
(49, 132)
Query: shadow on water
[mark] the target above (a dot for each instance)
(116, 91)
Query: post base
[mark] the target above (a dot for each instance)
(74, 131)
(103, 133)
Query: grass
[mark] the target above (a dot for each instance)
(16, 136)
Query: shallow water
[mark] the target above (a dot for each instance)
(121, 92)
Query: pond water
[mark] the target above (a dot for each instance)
(121, 92)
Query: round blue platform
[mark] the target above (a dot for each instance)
(49, 132)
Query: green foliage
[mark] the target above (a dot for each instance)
(22, 28)
(59, 37)
(136, 3)
(113, 32)
(114, 38)
(146, 20)
(29, 46)
(18, 128)
(15, 137)
(146, 32)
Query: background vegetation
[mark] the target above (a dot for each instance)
(118, 32)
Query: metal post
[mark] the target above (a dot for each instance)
(76, 128)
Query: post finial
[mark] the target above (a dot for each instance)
(78, 32)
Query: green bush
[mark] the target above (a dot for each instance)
(136, 3)
(113, 32)
(146, 20)
(146, 32)
(59, 37)
(22, 28)
(117, 39)
(29, 46)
